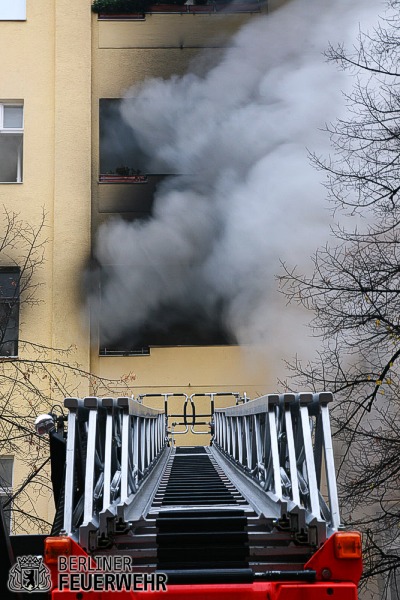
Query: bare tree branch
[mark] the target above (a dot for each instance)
(35, 381)
(354, 296)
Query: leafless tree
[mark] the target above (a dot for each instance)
(34, 378)
(354, 295)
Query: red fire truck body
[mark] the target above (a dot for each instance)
(334, 576)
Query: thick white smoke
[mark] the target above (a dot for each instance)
(250, 198)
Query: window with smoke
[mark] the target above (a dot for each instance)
(121, 153)
(169, 324)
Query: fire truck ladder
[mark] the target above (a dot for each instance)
(256, 503)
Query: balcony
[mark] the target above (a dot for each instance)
(212, 6)
(180, 26)
(128, 10)
(115, 178)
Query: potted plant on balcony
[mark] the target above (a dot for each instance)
(117, 8)
(123, 174)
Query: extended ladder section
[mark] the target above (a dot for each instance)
(256, 502)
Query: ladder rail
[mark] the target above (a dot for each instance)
(124, 440)
(279, 441)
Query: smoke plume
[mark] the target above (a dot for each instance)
(249, 197)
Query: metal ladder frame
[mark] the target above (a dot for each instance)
(279, 441)
(272, 448)
(125, 440)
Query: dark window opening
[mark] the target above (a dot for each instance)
(4, 499)
(6, 481)
(122, 159)
(169, 325)
(120, 156)
(9, 310)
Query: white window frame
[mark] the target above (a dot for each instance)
(7, 491)
(11, 104)
(13, 131)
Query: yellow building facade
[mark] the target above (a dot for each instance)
(61, 61)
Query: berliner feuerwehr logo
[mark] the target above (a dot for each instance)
(29, 574)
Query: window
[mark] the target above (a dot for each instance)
(119, 153)
(169, 325)
(189, 323)
(121, 156)
(12, 10)
(6, 481)
(11, 141)
(9, 310)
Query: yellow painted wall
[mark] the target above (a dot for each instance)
(171, 31)
(194, 370)
(72, 150)
(29, 76)
(49, 70)
(46, 63)
(189, 369)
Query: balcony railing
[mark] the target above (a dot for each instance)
(210, 7)
(114, 178)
